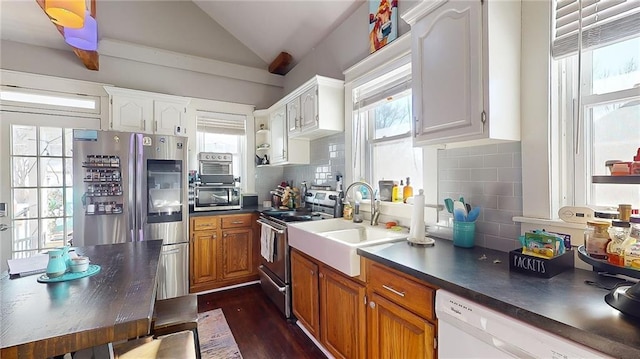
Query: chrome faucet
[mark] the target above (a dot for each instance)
(375, 210)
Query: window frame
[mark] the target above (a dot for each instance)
(245, 142)
(575, 127)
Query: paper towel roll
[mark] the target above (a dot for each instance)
(416, 231)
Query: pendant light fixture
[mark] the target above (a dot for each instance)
(85, 38)
(66, 13)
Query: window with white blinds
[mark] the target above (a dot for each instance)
(224, 123)
(602, 22)
(223, 132)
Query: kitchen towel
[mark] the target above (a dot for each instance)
(266, 242)
(416, 231)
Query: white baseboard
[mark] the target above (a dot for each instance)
(229, 287)
(313, 339)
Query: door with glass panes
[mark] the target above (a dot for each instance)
(36, 182)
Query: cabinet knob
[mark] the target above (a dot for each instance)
(321, 275)
(372, 304)
(225, 235)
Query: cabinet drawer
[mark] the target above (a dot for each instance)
(242, 220)
(204, 223)
(402, 290)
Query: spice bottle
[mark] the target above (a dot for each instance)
(625, 212)
(635, 165)
(619, 234)
(596, 238)
(635, 228)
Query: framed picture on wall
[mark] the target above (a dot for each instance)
(383, 23)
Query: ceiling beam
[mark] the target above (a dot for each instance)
(90, 59)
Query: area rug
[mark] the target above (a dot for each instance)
(216, 339)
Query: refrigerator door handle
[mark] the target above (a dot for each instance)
(131, 204)
(139, 166)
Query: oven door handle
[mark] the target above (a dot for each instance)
(280, 289)
(279, 231)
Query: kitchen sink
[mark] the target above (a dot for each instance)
(363, 235)
(335, 241)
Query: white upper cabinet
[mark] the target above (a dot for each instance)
(316, 109)
(146, 112)
(293, 115)
(465, 71)
(131, 114)
(282, 149)
(277, 123)
(310, 118)
(169, 117)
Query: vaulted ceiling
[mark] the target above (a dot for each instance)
(246, 32)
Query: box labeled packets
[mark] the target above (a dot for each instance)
(543, 254)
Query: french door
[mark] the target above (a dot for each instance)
(36, 178)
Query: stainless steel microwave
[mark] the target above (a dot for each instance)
(212, 198)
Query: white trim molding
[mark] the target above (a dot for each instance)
(392, 51)
(161, 57)
(421, 9)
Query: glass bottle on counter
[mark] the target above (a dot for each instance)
(620, 239)
(347, 211)
(596, 238)
(407, 192)
(635, 227)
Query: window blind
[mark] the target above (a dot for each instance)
(603, 22)
(225, 123)
(389, 85)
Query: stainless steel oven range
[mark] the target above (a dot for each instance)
(275, 275)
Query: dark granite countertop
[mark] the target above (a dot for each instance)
(564, 305)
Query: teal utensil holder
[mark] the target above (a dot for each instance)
(464, 234)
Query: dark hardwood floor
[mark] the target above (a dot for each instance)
(260, 330)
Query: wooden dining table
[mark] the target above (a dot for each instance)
(40, 320)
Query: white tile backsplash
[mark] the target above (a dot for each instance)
(489, 176)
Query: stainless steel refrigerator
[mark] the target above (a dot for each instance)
(133, 187)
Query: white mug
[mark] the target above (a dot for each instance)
(91, 208)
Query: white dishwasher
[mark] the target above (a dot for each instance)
(469, 330)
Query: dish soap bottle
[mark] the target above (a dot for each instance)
(396, 193)
(407, 192)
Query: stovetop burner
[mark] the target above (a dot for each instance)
(294, 216)
(318, 204)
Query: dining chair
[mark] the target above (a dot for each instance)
(173, 346)
(177, 314)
